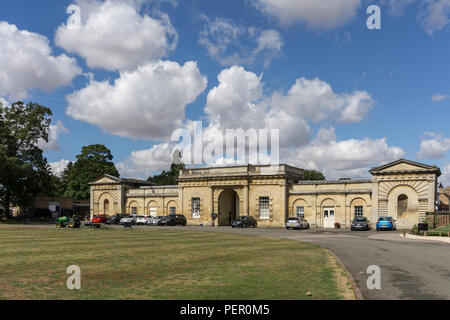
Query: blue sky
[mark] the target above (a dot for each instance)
(402, 69)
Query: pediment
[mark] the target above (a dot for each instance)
(106, 179)
(404, 165)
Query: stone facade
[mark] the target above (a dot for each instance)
(403, 189)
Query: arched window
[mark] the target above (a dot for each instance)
(402, 204)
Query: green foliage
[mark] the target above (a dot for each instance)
(313, 175)
(93, 162)
(24, 172)
(166, 178)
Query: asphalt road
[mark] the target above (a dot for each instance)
(410, 269)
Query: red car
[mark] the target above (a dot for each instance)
(99, 218)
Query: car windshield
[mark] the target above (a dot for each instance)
(243, 218)
(140, 217)
(360, 219)
(385, 219)
(293, 219)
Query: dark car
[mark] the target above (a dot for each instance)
(115, 219)
(173, 220)
(244, 222)
(360, 223)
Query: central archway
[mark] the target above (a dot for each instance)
(228, 207)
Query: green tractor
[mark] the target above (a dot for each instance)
(63, 222)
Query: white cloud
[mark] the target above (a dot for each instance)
(27, 63)
(238, 102)
(433, 15)
(58, 166)
(439, 97)
(53, 134)
(315, 100)
(341, 159)
(144, 163)
(148, 103)
(322, 15)
(232, 44)
(445, 177)
(434, 146)
(113, 35)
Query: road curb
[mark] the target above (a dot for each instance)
(356, 290)
(414, 237)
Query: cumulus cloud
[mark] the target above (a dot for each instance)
(144, 163)
(322, 15)
(53, 134)
(27, 63)
(231, 44)
(113, 35)
(434, 146)
(58, 167)
(315, 100)
(147, 103)
(239, 102)
(341, 159)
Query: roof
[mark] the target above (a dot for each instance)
(307, 182)
(128, 181)
(420, 167)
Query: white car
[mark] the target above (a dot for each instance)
(141, 220)
(129, 219)
(154, 221)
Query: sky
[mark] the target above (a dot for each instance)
(128, 73)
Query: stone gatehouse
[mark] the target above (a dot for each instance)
(403, 189)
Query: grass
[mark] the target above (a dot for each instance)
(445, 228)
(162, 264)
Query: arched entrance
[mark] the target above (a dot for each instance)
(228, 207)
(106, 206)
(402, 205)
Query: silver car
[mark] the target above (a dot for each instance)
(297, 223)
(154, 221)
(129, 219)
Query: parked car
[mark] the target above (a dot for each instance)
(244, 222)
(128, 219)
(360, 223)
(99, 218)
(297, 223)
(141, 220)
(154, 221)
(115, 219)
(386, 223)
(173, 220)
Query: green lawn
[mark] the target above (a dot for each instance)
(162, 264)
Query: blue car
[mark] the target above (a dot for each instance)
(386, 223)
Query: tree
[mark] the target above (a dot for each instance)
(168, 177)
(313, 175)
(24, 171)
(93, 162)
